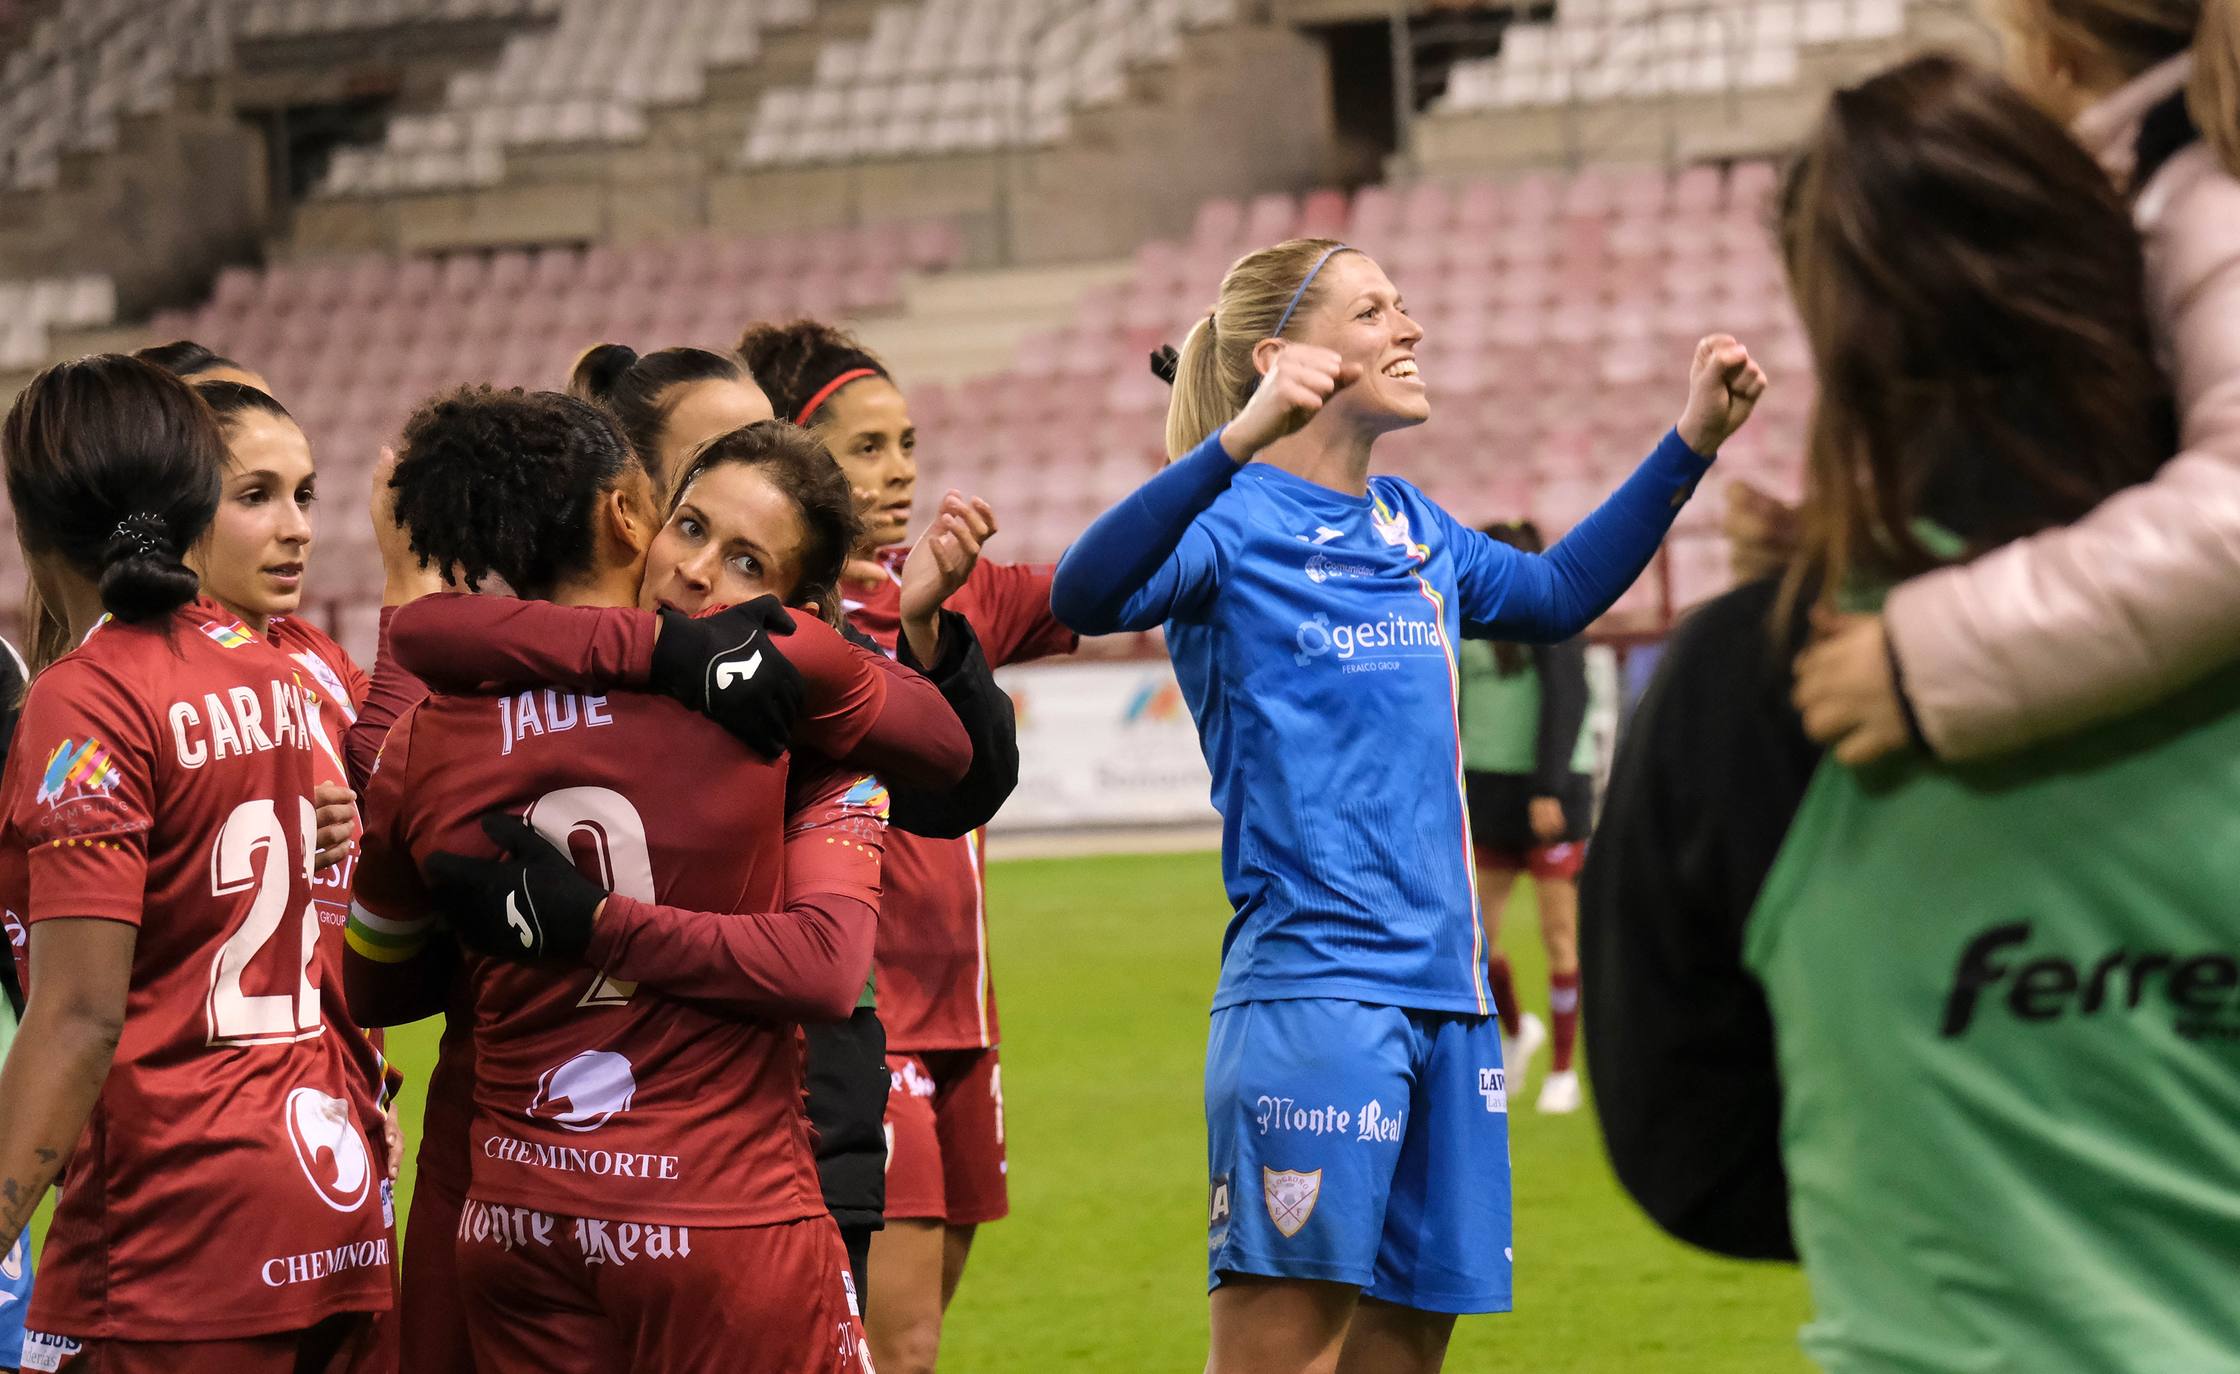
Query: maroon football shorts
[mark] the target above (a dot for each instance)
(945, 1159)
(551, 1294)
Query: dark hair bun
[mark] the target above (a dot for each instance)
(142, 574)
(599, 369)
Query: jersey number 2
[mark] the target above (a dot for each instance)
(252, 855)
(617, 836)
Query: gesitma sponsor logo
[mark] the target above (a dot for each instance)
(1998, 971)
(330, 1148)
(1381, 639)
(583, 1093)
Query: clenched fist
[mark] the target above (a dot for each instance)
(1291, 392)
(1723, 387)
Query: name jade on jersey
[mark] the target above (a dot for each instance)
(2202, 989)
(238, 723)
(548, 712)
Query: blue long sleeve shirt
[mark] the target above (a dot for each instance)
(1314, 636)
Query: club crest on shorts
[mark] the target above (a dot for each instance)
(1291, 1197)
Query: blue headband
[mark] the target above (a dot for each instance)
(1301, 293)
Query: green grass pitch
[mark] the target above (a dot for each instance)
(1105, 968)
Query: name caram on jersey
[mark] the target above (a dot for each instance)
(239, 722)
(527, 715)
(2202, 989)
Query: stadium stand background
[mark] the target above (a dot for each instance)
(1014, 200)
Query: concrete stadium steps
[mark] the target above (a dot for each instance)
(959, 325)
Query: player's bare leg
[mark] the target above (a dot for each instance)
(1386, 1338)
(909, 1263)
(1279, 1326)
(956, 1249)
(1559, 932)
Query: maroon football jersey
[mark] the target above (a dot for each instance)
(596, 1097)
(935, 992)
(162, 776)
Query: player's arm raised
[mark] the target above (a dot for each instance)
(1547, 598)
(1136, 565)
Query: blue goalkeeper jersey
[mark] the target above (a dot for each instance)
(1314, 636)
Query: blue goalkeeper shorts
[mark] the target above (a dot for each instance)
(1360, 1144)
(15, 1297)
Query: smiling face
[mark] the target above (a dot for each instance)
(699, 411)
(253, 559)
(734, 536)
(1359, 315)
(866, 427)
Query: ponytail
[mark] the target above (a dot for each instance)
(2213, 95)
(1200, 404)
(113, 466)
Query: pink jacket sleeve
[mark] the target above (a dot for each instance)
(2140, 597)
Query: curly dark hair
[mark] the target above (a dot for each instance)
(503, 482)
(792, 362)
(797, 464)
(641, 388)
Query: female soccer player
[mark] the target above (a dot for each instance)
(725, 529)
(2075, 625)
(159, 842)
(1355, 1099)
(945, 1167)
(1527, 765)
(253, 563)
(2004, 1131)
(619, 1130)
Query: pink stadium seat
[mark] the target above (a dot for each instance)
(1218, 223)
(1271, 218)
(1323, 214)
(1477, 207)
(463, 275)
(1426, 208)
(1697, 188)
(1640, 194)
(934, 245)
(1750, 186)
(1591, 194)
(417, 279)
(1376, 210)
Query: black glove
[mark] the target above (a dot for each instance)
(533, 904)
(726, 667)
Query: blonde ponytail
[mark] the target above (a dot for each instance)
(2213, 97)
(1214, 375)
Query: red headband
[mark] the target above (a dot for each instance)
(824, 393)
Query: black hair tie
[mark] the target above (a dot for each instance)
(146, 532)
(1165, 363)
